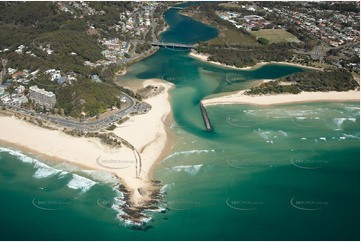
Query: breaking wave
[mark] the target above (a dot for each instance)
(82, 183)
(189, 152)
(43, 170)
(192, 170)
(340, 121)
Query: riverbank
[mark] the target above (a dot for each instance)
(241, 98)
(145, 132)
(204, 57)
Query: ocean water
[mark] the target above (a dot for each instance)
(282, 172)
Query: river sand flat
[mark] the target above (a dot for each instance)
(204, 57)
(241, 98)
(145, 132)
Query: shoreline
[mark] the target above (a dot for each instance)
(203, 57)
(148, 134)
(265, 100)
(58, 148)
(170, 140)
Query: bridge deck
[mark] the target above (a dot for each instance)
(176, 45)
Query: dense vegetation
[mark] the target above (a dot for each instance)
(328, 80)
(40, 27)
(241, 56)
(63, 43)
(86, 96)
(112, 9)
(37, 25)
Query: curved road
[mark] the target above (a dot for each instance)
(84, 126)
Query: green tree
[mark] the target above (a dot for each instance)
(263, 41)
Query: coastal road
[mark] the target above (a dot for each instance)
(84, 126)
(154, 37)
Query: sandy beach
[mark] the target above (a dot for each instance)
(241, 98)
(204, 57)
(145, 132)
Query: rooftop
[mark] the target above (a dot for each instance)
(42, 91)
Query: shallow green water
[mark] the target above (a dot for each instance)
(285, 172)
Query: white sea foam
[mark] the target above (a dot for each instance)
(250, 111)
(283, 133)
(267, 134)
(340, 121)
(323, 138)
(119, 194)
(43, 170)
(156, 210)
(192, 170)
(167, 187)
(82, 183)
(19, 155)
(119, 201)
(118, 210)
(352, 108)
(303, 138)
(189, 152)
(351, 136)
(262, 133)
(62, 174)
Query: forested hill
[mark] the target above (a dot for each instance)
(61, 37)
(42, 28)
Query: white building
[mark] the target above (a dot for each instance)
(20, 89)
(42, 97)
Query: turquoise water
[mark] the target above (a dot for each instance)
(283, 172)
